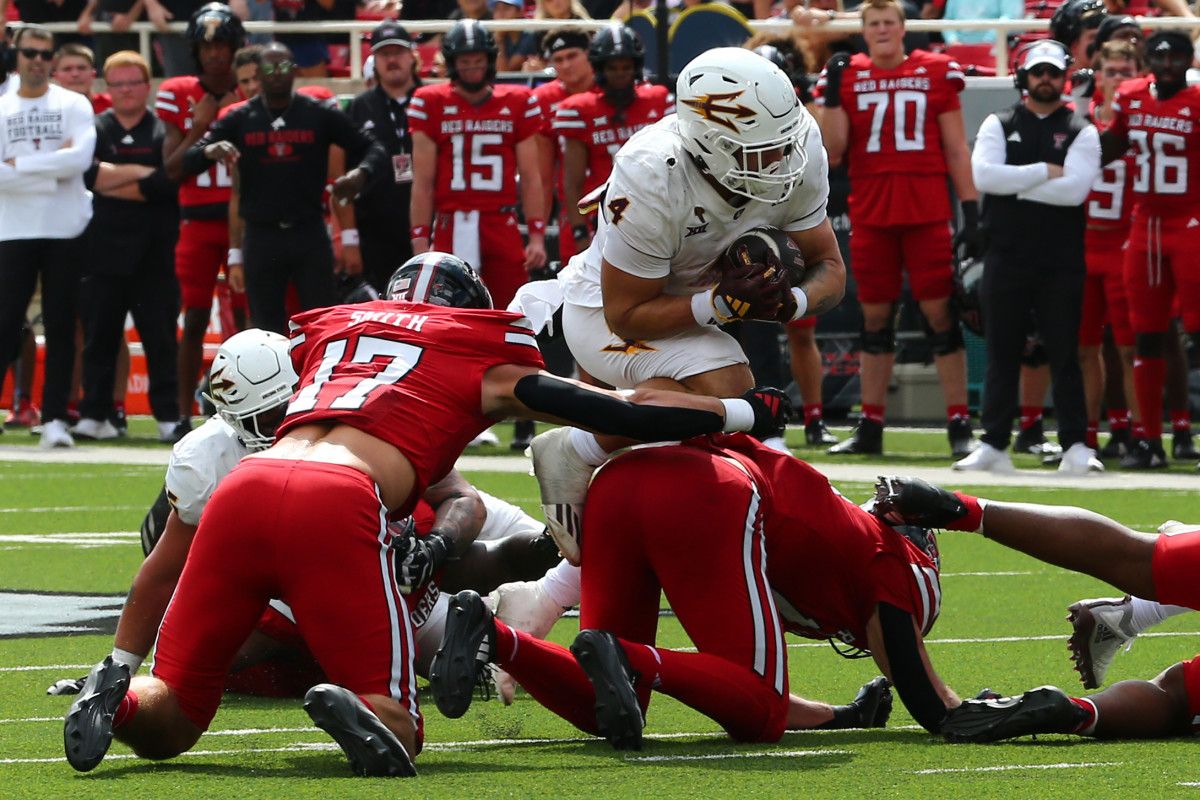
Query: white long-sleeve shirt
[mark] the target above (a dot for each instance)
(51, 140)
(1032, 182)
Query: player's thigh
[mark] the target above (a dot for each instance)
(1184, 254)
(876, 257)
(199, 255)
(1182, 683)
(1116, 300)
(502, 256)
(927, 259)
(629, 363)
(1148, 283)
(1094, 311)
(1175, 565)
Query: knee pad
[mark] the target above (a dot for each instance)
(1150, 345)
(878, 343)
(945, 343)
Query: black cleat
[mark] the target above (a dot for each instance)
(1033, 440)
(467, 647)
(523, 433)
(371, 747)
(1182, 447)
(867, 439)
(1043, 710)
(119, 421)
(88, 728)
(1144, 454)
(962, 439)
(874, 703)
(816, 434)
(912, 501)
(1118, 444)
(618, 715)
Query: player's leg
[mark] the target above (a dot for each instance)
(104, 329)
(155, 308)
(1187, 280)
(312, 268)
(59, 261)
(807, 370)
(1178, 402)
(484, 566)
(268, 256)
(1091, 364)
(1102, 626)
(1151, 287)
(199, 254)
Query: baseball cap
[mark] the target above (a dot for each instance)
(1046, 53)
(369, 68)
(389, 32)
(515, 3)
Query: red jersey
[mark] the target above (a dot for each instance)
(895, 143)
(829, 562)
(173, 104)
(101, 102)
(407, 373)
(477, 144)
(592, 120)
(1110, 203)
(1164, 139)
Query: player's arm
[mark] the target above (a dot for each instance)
(957, 154)
(420, 210)
(74, 157)
(235, 271)
(177, 143)
(546, 146)
(899, 649)
(834, 121)
(636, 308)
(533, 200)
(648, 415)
(992, 175)
(459, 517)
(575, 164)
(824, 281)
(1080, 169)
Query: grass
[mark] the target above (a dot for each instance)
(267, 748)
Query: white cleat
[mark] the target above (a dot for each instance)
(1079, 459)
(984, 458)
(98, 429)
(777, 443)
(563, 478)
(1172, 526)
(1101, 627)
(525, 606)
(55, 434)
(486, 439)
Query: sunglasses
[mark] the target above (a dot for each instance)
(32, 52)
(1045, 70)
(282, 67)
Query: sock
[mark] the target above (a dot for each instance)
(119, 407)
(125, 711)
(972, 521)
(738, 699)
(873, 412)
(1092, 437)
(587, 447)
(550, 674)
(812, 411)
(1088, 726)
(1118, 419)
(1149, 376)
(561, 584)
(957, 412)
(1148, 613)
(1030, 416)
(1181, 421)
(1139, 430)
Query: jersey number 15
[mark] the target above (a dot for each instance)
(483, 171)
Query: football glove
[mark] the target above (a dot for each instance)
(750, 291)
(833, 79)
(419, 557)
(771, 410)
(971, 240)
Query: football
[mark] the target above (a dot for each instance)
(768, 246)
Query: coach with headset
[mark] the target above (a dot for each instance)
(1034, 163)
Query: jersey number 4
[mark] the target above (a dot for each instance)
(483, 171)
(908, 113)
(401, 359)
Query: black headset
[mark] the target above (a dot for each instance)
(1021, 75)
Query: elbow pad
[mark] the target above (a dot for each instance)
(909, 676)
(611, 415)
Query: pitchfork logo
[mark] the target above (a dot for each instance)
(720, 109)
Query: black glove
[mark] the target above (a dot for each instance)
(971, 238)
(1083, 84)
(771, 411)
(870, 708)
(67, 686)
(418, 558)
(833, 79)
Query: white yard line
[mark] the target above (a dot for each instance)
(752, 754)
(1012, 767)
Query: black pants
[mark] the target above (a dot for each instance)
(274, 256)
(384, 247)
(1014, 285)
(57, 262)
(151, 295)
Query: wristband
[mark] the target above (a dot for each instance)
(234, 258)
(702, 308)
(418, 232)
(537, 226)
(580, 231)
(801, 303)
(131, 660)
(350, 237)
(739, 415)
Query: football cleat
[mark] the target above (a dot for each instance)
(618, 715)
(873, 704)
(525, 606)
(1046, 709)
(523, 433)
(563, 479)
(56, 434)
(815, 433)
(1099, 628)
(88, 728)
(962, 440)
(1144, 454)
(1033, 440)
(867, 439)
(96, 429)
(984, 458)
(1182, 447)
(371, 747)
(485, 439)
(24, 415)
(1079, 459)
(1118, 444)
(913, 501)
(467, 647)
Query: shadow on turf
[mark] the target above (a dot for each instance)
(322, 765)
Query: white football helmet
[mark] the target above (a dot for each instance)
(741, 119)
(251, 382)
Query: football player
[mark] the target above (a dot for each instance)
(189, 104)
(1157, 567)
(1156, 116)
(770, 547)
(389, 394)
(897, 119)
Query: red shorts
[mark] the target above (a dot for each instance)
(635, 541)
(1105, 300)
(1176, 566)
(878, 254)
(501, 251)
(314, 536)
(1162, 259)
(1191, 680)
(199, 256)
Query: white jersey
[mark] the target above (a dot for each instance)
(199, 461)
(660, 217)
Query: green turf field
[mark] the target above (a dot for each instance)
(71, 529)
